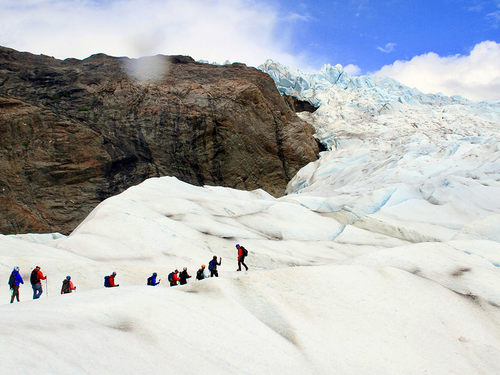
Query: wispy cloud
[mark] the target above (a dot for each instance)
(475, 5)
(494, 17)
(298, 17)
(388, 48)
(475, 8)
(361, 5)
(213, 30)
(475, 76)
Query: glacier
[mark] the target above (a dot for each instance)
(382, 258)
(417, 166)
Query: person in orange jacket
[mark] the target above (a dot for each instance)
(67, 285)
(36, 282)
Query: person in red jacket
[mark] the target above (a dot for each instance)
(174, 278)
(242, 253)
(36, 282)
(111, 282)
(67, 285)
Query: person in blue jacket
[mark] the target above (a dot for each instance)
(152, 280)
(14, 281)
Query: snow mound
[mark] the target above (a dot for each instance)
(322, 295)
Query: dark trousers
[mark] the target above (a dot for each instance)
(214, 273)
(15, 294)
(240, 262)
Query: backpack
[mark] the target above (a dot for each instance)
(171, 277)
(211, 265)
(150, 280)
(34, 277)
(65, 286)
(245, 251)
(106, 281)
(12, 280)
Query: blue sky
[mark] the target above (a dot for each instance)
(437, 46)
(371, 34)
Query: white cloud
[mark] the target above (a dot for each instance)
(213, 30)
(389, 47)
(352, 69)
(475, 76)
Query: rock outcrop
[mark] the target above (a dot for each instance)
(298, 105)
(74, 132)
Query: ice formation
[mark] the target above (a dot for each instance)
(421, 167)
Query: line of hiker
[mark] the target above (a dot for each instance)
(180, 278)
(36, 277)
(174, 278)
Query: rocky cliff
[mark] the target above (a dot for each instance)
(74, 132)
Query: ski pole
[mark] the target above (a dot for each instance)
(46, 287)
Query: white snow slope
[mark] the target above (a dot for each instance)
(382, 259)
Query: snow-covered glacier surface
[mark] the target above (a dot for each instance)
(383, 258)
(321, 296)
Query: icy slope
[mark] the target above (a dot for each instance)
(370, 304)
(306, 320)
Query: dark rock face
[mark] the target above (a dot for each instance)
(298, 105)
(75, 132)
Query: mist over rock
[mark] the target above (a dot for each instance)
(75, 132)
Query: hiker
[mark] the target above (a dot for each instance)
(183, 276)
(109, 281)
(200, 274)
(212, 266)
(242, 253)
(15, 280)
(36, 282)
(152, 280)
(67, 285)
(173, 277)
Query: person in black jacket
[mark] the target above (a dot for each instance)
(183, 276)
(200, 275)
